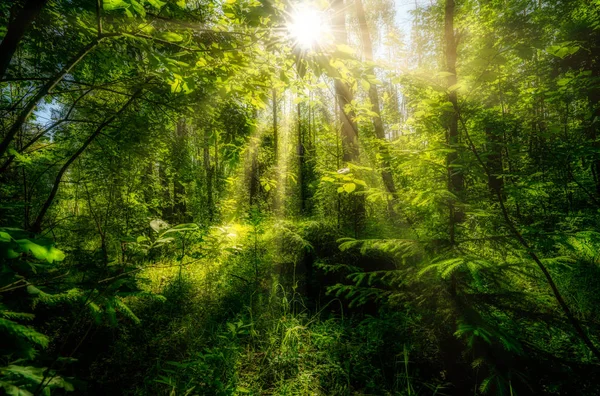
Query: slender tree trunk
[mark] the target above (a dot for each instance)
(17, 27)
(494, 157)
(27, 206)
(148, 183)
(455, 175)
(386, 174)
(455, 186)
(253, 175)
(356, 211)
(343, 93)
(179, 206)
(216, 165)
(594, 101)
(275, 132)
(208, 176)
(37, 225)
(301, 159)
(166, 207)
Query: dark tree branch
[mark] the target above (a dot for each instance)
(513, 229)
(16, 30)
(40, 218)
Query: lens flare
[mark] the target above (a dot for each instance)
(308, 26)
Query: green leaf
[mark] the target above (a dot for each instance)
(19, 331)
(349, 187)
(110, 5)
(5, 237)
(171, 37)
(159, 225)
(138, 8)
(562, 50)
(156, 3)
(48, 253)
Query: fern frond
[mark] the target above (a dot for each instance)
(125, 311)
(19, 331)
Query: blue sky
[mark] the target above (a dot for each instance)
(403, 16)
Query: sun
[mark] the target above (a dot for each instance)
(308, 26)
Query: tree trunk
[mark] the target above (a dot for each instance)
(594, 101)
(386, 174)
(455, 185)
(343, 93)
(148, 182)
(301, 162)
(254, 177)
(455, 175)
(208, 176)
(349, 132)
(167, 204)
(179, 206)
(16, 30)
(494, 158)
(275, 134)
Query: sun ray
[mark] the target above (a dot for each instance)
(309, 26)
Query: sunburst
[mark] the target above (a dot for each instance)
(309, 27)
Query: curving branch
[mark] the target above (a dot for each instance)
(11, 158)
(37, 225)
(523, 242)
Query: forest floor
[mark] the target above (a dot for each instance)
(244, 320)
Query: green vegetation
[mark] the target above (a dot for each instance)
(345, 197)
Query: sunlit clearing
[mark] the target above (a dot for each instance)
(308, 26)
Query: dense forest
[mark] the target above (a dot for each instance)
(330, 197)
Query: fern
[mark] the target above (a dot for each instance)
(18, 331)
(23, 380)
(358, 295)
(403, 248)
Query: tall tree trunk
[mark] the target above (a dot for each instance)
(148, 182)
(349, 131)
(275, 132)
(386, 174)
(594, 128)
(301, 161)
(37, 225)
(179, 205)
(17, 26)
(455, 175)
(452, 354)
(167, 203)
(208, 176)
(254, 175)
(494, 158)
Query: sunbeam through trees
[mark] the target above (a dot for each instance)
(328, 197)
